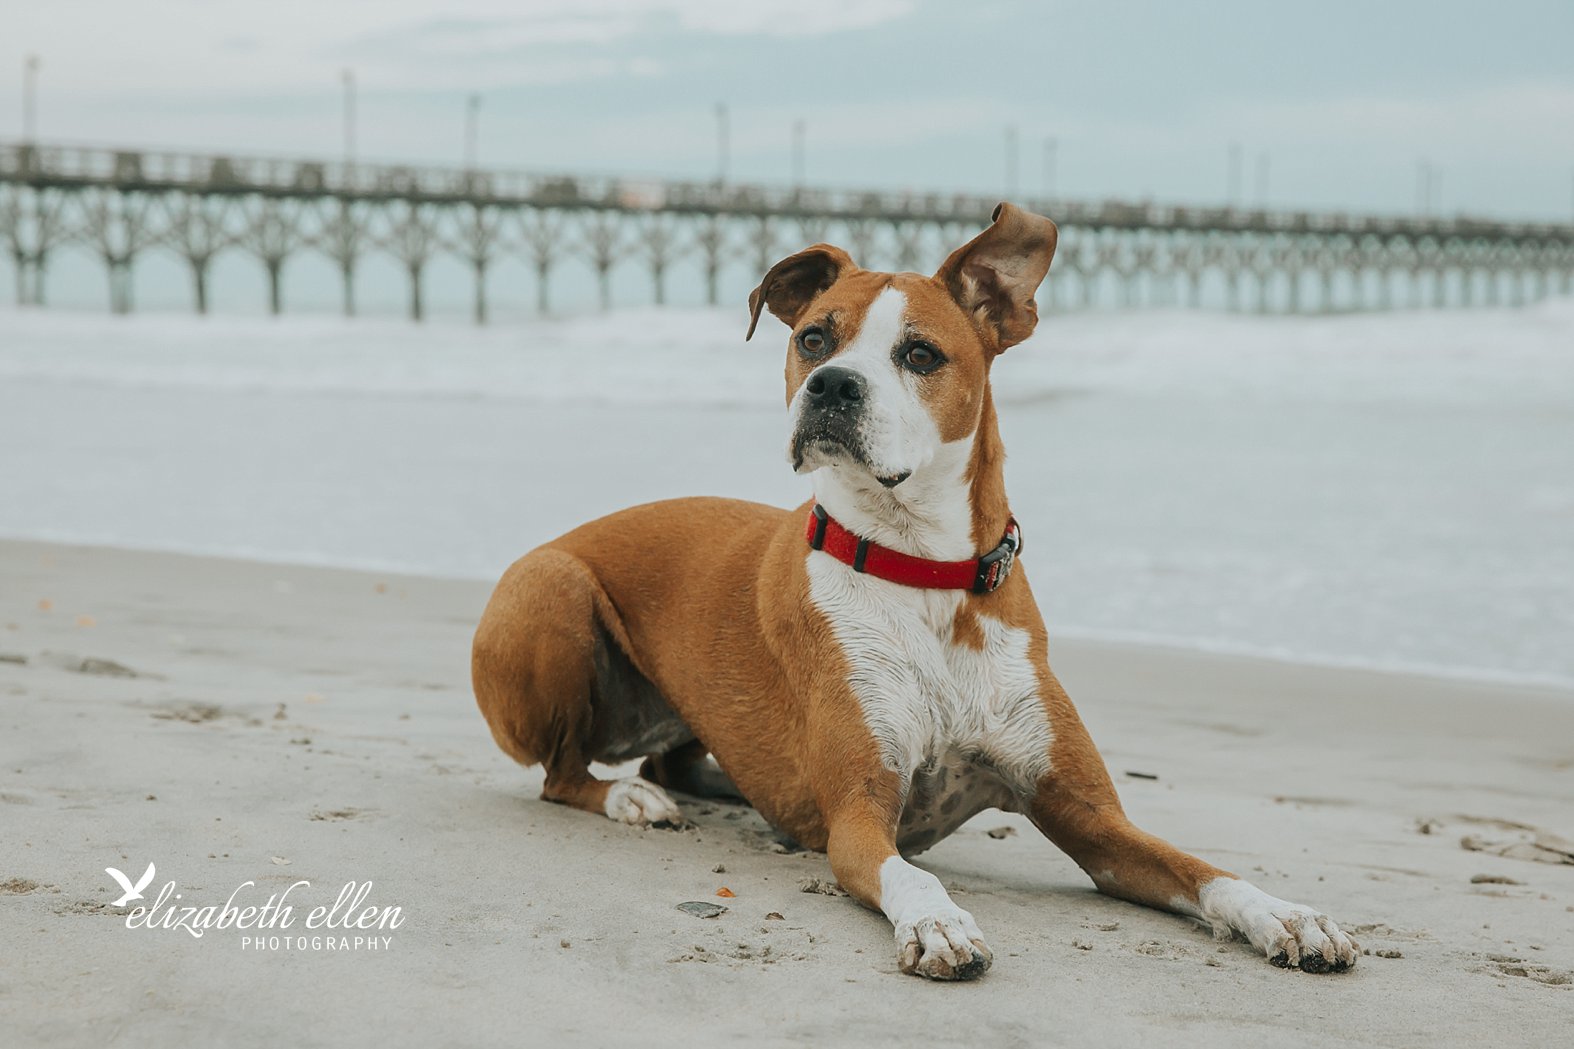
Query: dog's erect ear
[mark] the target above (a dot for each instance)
(793, 283)
(994, 275)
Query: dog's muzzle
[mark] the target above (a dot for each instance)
(832, 408)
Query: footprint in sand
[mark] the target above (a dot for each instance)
(1507, 965)
(791, 945)
(86, 907)
(92, 665)
(336, 815)
(1381, 930)
(1517, 841)
(768, 840)
(192, 713)
(1173, 952)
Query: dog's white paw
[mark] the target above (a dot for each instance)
(639, 802)
(1289, 934)
(943, 947)
(934, 937)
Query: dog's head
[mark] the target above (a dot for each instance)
(886, 369)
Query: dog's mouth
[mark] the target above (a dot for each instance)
(812, 450)
(817, 442)
(820, 446)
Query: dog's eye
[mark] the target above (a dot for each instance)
(812, 341)
(921, 357)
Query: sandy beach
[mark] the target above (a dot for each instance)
(1245, 334)
(235, 722)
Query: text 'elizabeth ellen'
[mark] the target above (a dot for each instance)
(345, 913)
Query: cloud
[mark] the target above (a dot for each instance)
(476, 37)
(154, 47)
(548, 41)
(788, 18)
(1515, 116)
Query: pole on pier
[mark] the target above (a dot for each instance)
(472, 130)
(1233, 186)
(1011, 161)
(722, 144)
(30, 99)
(347, 77)
(799, 129)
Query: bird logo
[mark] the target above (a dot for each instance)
(132, 892)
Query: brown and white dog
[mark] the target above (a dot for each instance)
(860, 673)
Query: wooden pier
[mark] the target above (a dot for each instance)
(123, 204)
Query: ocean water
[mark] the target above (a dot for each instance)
(1391, 490)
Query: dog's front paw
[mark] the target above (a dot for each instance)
(1289, 934)
(638, 802)
(942, 947)
(1311, 942)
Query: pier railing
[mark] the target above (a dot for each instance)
(122, 203)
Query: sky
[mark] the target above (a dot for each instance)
(1338, 103)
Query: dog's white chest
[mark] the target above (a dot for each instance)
(934, 704)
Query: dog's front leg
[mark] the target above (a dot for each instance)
(934, 937)
(1076, 807)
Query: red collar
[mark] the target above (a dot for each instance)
(981, 575)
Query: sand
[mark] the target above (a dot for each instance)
(234, 722)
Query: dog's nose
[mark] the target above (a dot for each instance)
(833, 388)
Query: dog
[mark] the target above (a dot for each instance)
(870, 670)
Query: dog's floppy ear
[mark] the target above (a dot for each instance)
(994, 275)
(793, 283)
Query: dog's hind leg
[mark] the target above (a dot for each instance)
(534, 669)
(692, 770)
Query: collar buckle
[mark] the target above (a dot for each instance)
(995, 567)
